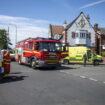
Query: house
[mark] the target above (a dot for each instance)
(100, 39)
(79, 32)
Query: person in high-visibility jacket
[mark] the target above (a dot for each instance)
(6, 62)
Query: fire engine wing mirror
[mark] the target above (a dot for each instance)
(37, 46)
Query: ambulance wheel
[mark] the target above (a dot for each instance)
(66, 61)
(33, 63)
(19, 61)
(96, 62)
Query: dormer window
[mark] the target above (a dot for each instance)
(57, 36)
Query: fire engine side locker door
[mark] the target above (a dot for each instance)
(28, 52)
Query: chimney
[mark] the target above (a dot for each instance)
(96, 27)
(64, 24)
(65, 36)
(50, 31)
(88, 17)
(65, 32)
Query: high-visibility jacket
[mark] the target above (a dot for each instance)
(6, 63)
(0, 61)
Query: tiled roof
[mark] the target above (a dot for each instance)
(69, 25)
(57, 29)
(102, 31)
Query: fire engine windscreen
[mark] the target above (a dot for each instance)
(49, 46)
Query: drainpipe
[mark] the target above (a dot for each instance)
(100, 45)
(65, 37)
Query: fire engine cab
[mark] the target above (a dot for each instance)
(39, 52)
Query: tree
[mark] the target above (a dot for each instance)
(4, 39)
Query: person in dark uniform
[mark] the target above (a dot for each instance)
(85, 59)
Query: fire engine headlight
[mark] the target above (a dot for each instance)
(40, 61)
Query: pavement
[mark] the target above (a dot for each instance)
(67, 85)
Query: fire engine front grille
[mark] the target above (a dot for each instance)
(51, 59)
(51, 56)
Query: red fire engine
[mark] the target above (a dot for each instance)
(39, 52)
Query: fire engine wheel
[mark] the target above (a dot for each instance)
(33, 63)
(66, 61)
(19, 61)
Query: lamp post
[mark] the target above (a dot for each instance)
(15, 31)
(8, 38)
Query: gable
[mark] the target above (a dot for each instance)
(81, 23)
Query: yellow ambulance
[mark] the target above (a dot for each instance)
(76, 55)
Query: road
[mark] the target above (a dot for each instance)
(68, 85)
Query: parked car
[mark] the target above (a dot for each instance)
(12, 55)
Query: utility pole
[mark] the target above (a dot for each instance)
(8, 38)
(15, 32)
(100, 45)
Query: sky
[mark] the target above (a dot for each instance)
(31, 18)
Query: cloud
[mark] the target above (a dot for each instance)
(92, 4)
(26, 27)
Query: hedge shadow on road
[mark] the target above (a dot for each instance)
(12, 79)
(15, 72)
(57, 68)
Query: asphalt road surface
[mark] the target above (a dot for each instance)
(68, 85)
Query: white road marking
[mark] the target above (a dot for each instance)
(62, 71)
(93, 79)
(82, 76)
